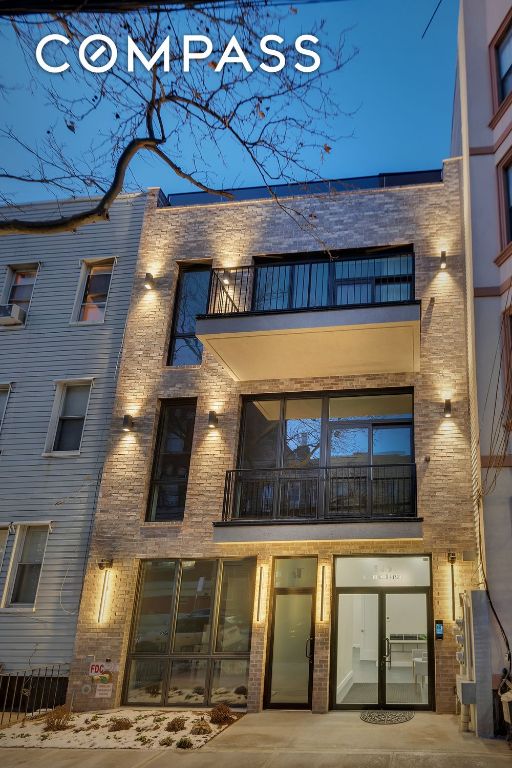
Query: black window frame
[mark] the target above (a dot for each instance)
(154, 482)
(175, 335)
(325, 396)
(211, 655)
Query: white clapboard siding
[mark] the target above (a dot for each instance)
(48, 348)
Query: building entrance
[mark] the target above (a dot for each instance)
(383, 646)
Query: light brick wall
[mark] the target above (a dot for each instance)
(229, 235)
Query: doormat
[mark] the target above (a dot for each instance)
(383, 717)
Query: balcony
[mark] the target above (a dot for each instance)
(343, 316)
(353, 501)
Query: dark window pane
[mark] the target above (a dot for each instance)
(151, 632)
(96, 292)
(193, 625)
(505, 65)
(69, 435)
(236, 606)
(28, 569)
(272, 288)
(187, 351)
(172, 461)
(508, 177)
(22, 287)
(392, 445)
(191, 300)
(25, 584)
(75, 400)
(145, 682)
(261, 431)
(302, 432)
(229, 682)
(188, 682)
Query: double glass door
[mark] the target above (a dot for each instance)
(383, 651)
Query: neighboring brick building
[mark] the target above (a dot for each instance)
(326, 476)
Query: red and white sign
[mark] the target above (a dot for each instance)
(102, 667)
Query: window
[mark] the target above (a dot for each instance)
(508, 203)
(4, 396)
(28, 565)
(96, 280)
(504, 64)
(68, 417)
(191, 300)
(183, 652)
(22, 285)
(172, 460)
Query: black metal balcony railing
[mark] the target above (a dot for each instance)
(351, 492)
(308, 285)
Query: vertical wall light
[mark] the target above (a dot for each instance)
(149, 281)
(447, 409)
(213, 420)
(442, 260)
(104, 565)
(261, 594)
(322, 595)
(452, 557)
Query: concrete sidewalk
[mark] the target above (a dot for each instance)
(282, 739)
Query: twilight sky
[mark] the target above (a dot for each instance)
(398, 88)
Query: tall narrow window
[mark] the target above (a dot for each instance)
(70, 427)
(191, 300)
(504, 61)
(94, 299)
(28, 566)
(22, 286)
(172, 460)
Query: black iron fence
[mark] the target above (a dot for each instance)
(319, 284)
(350, 492)
(32, 691)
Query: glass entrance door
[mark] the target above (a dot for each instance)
(382, 653)
(291, 646)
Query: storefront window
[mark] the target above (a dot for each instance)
(195, 605)
(235, 611)
(298, 572)
(229, 684)
(155, 604)
(177, 636)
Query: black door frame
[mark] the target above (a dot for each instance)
(267, 688)
(381, 630)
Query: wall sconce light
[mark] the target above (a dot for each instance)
(225, 280)
(149, 281)
(322, 595)
(452, 557)
(447, 409)
(260, 605)
(442, 261)
(105, 564)
(213, 420)
(128, 423)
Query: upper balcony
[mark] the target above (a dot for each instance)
(319, 317)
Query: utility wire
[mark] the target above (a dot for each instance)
(431, 19)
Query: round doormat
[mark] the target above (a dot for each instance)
(386, 717)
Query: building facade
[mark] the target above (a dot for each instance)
(482, 135)
(63, 310)
(287, 492)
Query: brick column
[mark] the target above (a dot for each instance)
(322, 636)
(259, 638)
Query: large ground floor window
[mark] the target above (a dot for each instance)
(191, 633)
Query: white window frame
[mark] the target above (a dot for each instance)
(9, 278)
(5, 386)
(19, 540)
(58, 401)
(85, 265)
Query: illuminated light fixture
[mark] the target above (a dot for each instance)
(104, 565)
(447, 409)
(128, 423)
(442, 261)
(149, 281)
(213, 420)
(225, 280)
(260, 588)
(322, 596)
(452, 557)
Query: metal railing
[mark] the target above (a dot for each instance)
(308, 285)
(32, 691)
(350, 492)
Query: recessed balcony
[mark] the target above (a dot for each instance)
(315, 318)
(355, 501)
